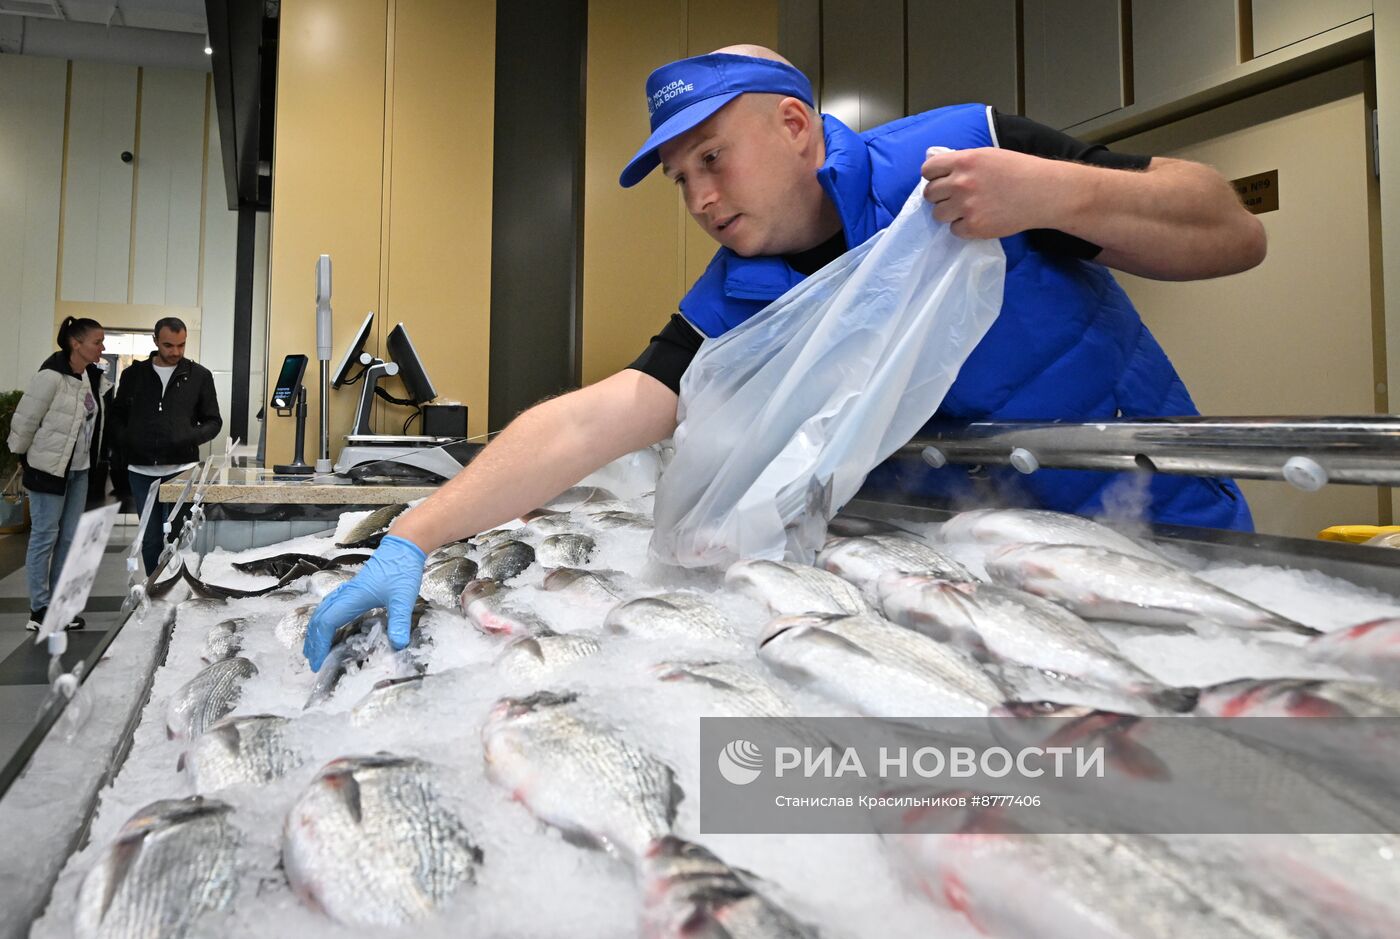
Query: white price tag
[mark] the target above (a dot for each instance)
(79, 569)
(147, 510)
(230, 444)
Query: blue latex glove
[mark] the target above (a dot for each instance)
(389, 579)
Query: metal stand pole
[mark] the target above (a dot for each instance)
(323, 462)
(298, 466)
(323, 353)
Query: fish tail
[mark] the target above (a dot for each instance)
(1299, 628)
(1176, 700)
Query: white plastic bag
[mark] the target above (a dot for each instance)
(782, 417)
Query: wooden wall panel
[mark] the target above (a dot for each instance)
(633, 246)
(641, 249)
(713, 25)
(165, 258)
(863, 61)
(31, 151)
(962, 52)
(98, 185)
(329, 148)
(1074, 66)
(1177, 43)
(439, 224)
(1278, 23)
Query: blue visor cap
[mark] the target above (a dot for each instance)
(684, 94)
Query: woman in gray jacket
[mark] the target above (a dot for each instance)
(56, 432)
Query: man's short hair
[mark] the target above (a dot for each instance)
(172, 323)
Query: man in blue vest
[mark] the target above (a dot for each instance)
(784, 191)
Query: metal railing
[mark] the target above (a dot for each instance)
(1308, 452)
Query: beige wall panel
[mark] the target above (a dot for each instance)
(714, 25)
(1179, 43)
(220, 263)
(31, 154)
(1278, 23)
(641, 249)
(632, 241)
(863, 61)
(1074, 66)
(1294, 335)
(98, 185)
(961, 52)
(168, 194)
(223, 390)
(439, 225)
(328, 169)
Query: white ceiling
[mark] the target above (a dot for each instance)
(178, 16)
(164, 33)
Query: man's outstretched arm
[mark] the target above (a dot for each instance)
(544, 451)
(1175, 220)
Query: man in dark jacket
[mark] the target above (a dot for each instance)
(166, 408)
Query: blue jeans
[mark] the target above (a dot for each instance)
(153, 540)
(52, 521)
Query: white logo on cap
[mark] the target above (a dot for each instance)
(661, 95)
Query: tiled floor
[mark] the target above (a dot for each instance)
(24, 665)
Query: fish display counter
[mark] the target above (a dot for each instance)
(246, 507)
(530, 762)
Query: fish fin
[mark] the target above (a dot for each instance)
(698, 925)
(1134, 759)
(674, 798)
(230, 735)
(707, 680)
(930, 626)
(123, 854)
(1303, 703)
(298, 570)
(832, 639)
(348, 789)
(584, 839)
(973, 646)
(180, 763)
(352, 799)
(1179, 700)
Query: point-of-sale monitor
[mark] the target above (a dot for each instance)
(352, 353)
(411, 371)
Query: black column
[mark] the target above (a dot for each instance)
(537, 204)
(242, 322)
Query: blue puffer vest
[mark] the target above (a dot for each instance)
(1067, 344)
